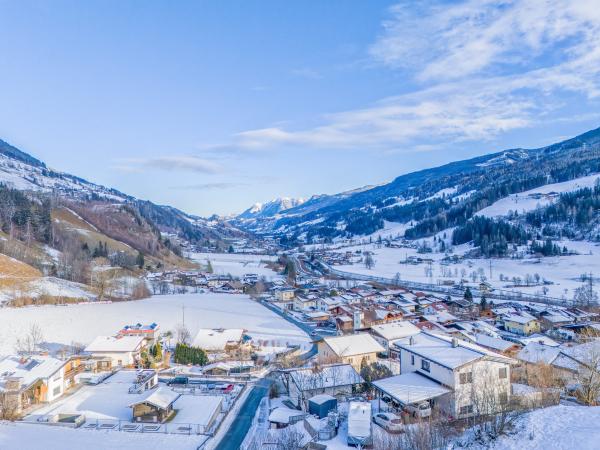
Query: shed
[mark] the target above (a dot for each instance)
(157, 407)
(321, 405)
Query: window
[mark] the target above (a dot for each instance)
(56, 391)
(468, 409)
(503, 372)
(412, 360)
(466, 377)
(425, 365)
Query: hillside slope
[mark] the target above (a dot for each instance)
(435, 199)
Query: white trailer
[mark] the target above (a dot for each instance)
(359, 424)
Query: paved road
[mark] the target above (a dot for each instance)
(241, 424)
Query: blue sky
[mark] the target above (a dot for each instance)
(212, 106)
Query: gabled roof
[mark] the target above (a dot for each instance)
(162, 398)
(29, 369)
(217, 339)
(447, 352)
(109, 344)
(354, 344)
(395, 330)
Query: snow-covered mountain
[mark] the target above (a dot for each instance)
(21, 171)
(435, 198)
(271, 208)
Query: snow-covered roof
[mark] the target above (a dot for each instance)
(28, 369)
(217, 339)
(521, 318)
(534, 353)
(355, 344)
(283, 415)
(410, 388)
(321, 398)
(540, 338)
(162, 398)
(325, 376)
(395, 330)
(112, 344)
(493, 342)
(445, 351)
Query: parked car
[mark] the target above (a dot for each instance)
(359, 424)
(178, 381)
(228, 389)
(389, 422)
(422, 410)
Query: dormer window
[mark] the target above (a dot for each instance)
(425, 365)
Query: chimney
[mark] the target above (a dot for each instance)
(454, 342)
(411, 340)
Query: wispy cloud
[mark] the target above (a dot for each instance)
(479, 68)
(169, 163)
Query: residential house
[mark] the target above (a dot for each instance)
(386, 334)
(352, 349)
(521, 323)
(26, 381)
(124, 351)
(218, 340)
(468, 371)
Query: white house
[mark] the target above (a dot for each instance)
(468, 370)
(122, 350)
(25, 381)
(219, 339)
(305, 303)
(388, 333)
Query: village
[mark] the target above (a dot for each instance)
(384, 361)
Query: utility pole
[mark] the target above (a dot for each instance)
(490, 270)
(183, 315)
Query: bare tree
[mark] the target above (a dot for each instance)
(183, 335)
(587, 376)
(31, 341)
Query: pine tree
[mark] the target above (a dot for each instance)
(468, 294)
(140, 260)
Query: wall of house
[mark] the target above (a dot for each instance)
(56, 385)
(485, 389)
(437, 372)
(125, 358)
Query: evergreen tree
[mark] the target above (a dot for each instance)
(140, 260)
(468, 294)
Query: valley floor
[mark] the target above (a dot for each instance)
(63, 325)
(562, 271)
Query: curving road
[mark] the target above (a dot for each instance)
(241, 424)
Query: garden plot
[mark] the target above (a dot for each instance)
(63, 325)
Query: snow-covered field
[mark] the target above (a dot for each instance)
(563, 271)
(36, 437)
(527, 201)
(237, 264)
(63, 325)
(557, 428)
(111, 399)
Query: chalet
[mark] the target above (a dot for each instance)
(123, 351)
(352, 349)
(219, 340)
(156, 407)
(26, 381)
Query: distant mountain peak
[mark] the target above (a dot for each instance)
(271, 208)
